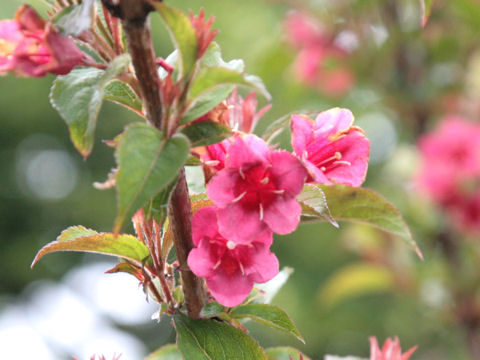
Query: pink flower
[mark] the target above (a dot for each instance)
(450, 157)
(390, 351)
(331, 148)
(321, 63)
(230, 269)
(30, 46)
(243, 112)
(256, 190)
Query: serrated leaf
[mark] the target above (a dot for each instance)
(204, 133)
(78, 97)
(426, 8)
(75, 19)
(147, 163)
(314, 203)
(285, 353)
(355, 280)
(269, 315)
(121, 93)
(366, 206)
(213, 340)
(79, 238)
(167, 352)
(210, 78)
(183, 35)
(206, 102)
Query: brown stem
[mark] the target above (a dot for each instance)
(134, 15)
(180, 215)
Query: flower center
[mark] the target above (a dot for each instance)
(256, 189)
(6, 48)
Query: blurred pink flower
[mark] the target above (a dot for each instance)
(450, 157)
(331, 148)
(320, 62)
(230, 269)
(243, 112)
(256, 190)
(30, 46)
(390, 351)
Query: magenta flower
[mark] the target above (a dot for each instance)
(391, 350)
(230, 269)
(243, 115)
(331, 148)
(30, 46)
(256, 190)
(450, 158)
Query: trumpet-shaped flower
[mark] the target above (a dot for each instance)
(256, 190)
(391, 350)
(230, 269)
(331, 148)
(30, 46)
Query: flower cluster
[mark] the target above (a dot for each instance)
(30, 46)
(320, 62)
(450, 171)
(254, 193)
(391, 350)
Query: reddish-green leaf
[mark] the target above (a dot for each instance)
(79, 238)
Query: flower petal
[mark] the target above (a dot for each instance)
(229, 289)
(302, 133)
(247, 151)
(333, 121)
(283, 214)
(221, 188)
(204, 224)
(239, 224)
(287, 172)
(201, 261)
(264, 264)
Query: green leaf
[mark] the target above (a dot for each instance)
(426, 7)
(75, 19)
(314, 203)
(121, 93)
(156, 207)
(285, 353)
(208, 339)
(183, 35)
(206, 102)
(270, 315)
(79, 238)
(147, 164)
(78, 97)
(210, 78)
(366, 206)
(212, 309)
(205, 133)
(167, 352)
(355, 280)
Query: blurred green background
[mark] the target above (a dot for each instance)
(348, 284)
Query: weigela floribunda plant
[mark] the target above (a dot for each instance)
(390, 350)
(30, 46)
(257, 189)
(230, 269)
(333, 150)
